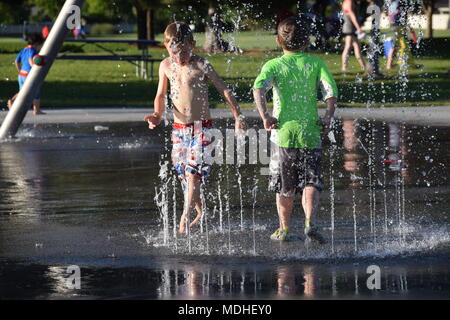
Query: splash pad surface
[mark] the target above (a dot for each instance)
(84, 194)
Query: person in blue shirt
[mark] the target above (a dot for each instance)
(24, 62)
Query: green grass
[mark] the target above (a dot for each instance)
(436, 33)
(113, 83)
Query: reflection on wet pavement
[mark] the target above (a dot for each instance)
(72, 195)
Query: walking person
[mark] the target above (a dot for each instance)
(352, 32)
(24, 63)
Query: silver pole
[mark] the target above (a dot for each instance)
(35, 78)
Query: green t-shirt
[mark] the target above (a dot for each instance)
(295, 78)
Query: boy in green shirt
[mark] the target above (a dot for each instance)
(295, 125)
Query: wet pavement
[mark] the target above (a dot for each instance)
(424, 115)
(85, 194)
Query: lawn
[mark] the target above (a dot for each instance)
(113, 83)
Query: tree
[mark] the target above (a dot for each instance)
(103, 11)
(13, 11)
(215, 24)
(50, 7)
(145, 11)
(93, 10)
(213, 30)
(428, 6)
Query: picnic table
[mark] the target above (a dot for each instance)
(140, 61)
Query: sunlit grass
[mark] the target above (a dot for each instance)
(113, 83)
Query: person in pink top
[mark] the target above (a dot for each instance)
(352, 32)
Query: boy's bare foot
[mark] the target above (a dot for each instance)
(196, 220)
(182, 229)
(37, 112)
(10, 103)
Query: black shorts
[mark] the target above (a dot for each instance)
(292, 169)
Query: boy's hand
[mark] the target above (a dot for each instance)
(240, 126)
(153, 120)
(326, 125)
(269, 122)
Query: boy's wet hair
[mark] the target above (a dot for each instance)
(34, 39)
(293, 33)
(179, 32)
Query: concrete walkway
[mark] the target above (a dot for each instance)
(435, 116)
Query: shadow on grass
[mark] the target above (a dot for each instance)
(137, 93)
(92, 94)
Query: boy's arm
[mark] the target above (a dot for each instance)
(329, 114)
(155, 118)
(259, 94)
(263, 82)
(227, 95)
(17, 62)
(329, 93)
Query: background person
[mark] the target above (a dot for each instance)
(398, 18)
(24, 62)
(352, 32)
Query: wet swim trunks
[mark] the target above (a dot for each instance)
(292, 169)
(189, 141)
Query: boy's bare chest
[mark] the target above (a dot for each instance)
(186, 76)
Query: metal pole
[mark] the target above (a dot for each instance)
(35, 78)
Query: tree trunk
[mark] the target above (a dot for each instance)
(213, 31)
(429, 11)
(141, 27)
(150, 24)
(301, 6)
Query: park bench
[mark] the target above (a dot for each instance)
(141, 61)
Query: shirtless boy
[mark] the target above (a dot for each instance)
(188, 75)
